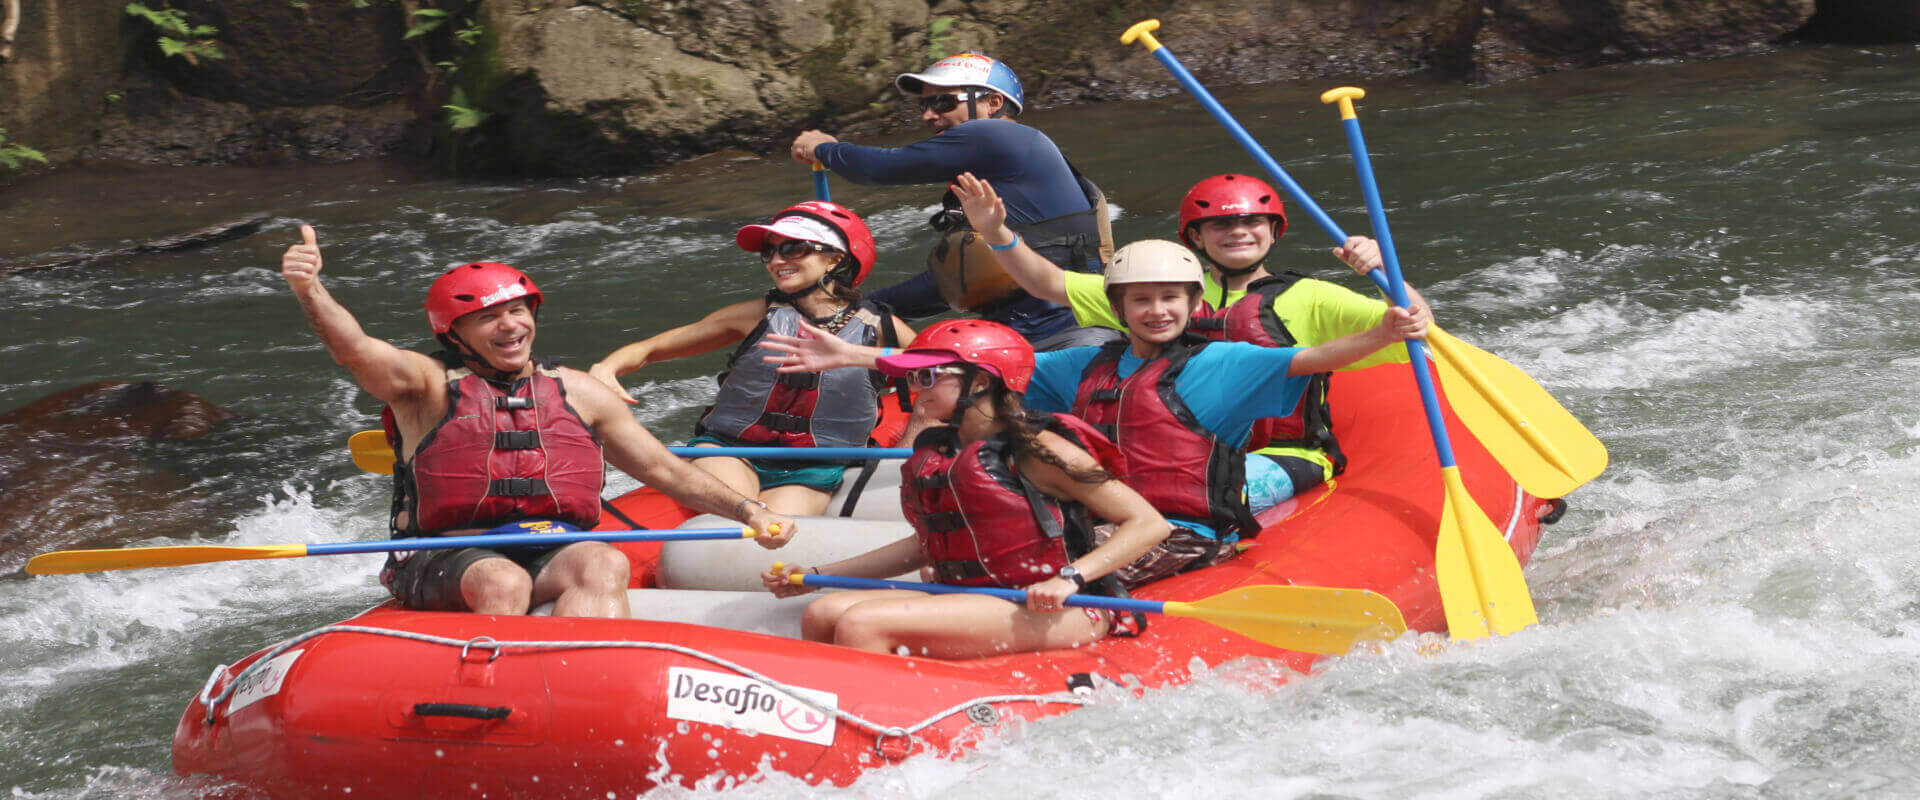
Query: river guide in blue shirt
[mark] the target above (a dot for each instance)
(969, 102)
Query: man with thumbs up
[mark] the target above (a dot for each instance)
(487, 434)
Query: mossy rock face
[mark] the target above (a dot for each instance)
(607, 86)
(599, 90)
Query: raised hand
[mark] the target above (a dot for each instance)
(986, 212)
(300, 266)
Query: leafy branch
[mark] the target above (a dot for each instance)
(178, 37)
(14, 155)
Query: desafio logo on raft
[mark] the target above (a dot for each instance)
(735, 701)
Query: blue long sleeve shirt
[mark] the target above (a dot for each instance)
(1025, 168)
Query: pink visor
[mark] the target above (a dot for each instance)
(899, 364)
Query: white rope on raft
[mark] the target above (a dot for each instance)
(878, 731)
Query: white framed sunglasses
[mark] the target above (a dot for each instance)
(926, 377)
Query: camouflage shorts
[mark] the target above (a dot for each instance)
(1182, 551)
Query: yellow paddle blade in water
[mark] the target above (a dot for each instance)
(1546, 450)
(1309, 619)
(370, 452)
(67, 562)
(1481, 585)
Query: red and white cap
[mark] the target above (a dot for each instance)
(806, 229)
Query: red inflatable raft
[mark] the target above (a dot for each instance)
(397, 703)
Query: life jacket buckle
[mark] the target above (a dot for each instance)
(516, 440)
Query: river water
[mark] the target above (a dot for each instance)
(1705, 262)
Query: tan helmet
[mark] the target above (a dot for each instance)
(1153, 261)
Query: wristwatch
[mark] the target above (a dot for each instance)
(1068, 572)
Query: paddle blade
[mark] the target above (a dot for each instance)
(370, 452)
(1481, 586)
(1309, 619)
(1546, 450)
(67, 562)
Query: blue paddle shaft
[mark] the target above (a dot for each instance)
(1247, 143)
(795, 453)
(1010, 595)
(820, 191)
(496, 540)
(1397, 289)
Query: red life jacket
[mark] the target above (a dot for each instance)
(1180, 467)
(501, 453)
(1251, 319)
(981, 523)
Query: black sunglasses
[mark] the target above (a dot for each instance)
(941, 103)
(793, 249)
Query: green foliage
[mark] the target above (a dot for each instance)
(460, 115)
(178, 36)
(471, 34)
(939, 33)
(15, 154)
(430, 19)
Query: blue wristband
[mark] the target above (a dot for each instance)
(1008, 246)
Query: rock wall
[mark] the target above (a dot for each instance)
(608, 86)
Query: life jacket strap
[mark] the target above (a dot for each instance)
(784, 423)
(517, 487)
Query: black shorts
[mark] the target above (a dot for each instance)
(430, 579)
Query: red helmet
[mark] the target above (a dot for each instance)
(470, 287)
(1229, 196)
(838, 217)
(991, 346)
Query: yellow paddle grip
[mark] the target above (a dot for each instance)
(1143, 30)
(1345, 96)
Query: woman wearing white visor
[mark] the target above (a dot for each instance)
(817, 254)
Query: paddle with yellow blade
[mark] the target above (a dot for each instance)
(527, 533)
(1481, 585)
(371, 453)
(1546, 450)
(1307, 619)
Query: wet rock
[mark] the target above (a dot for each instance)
(1524, 37)
(73, 473)
(201, 237)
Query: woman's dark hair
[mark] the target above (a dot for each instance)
(1025, 428)
(835, 282)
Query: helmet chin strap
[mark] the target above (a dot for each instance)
(966, 401)
(818, 286)
(1230, 271)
